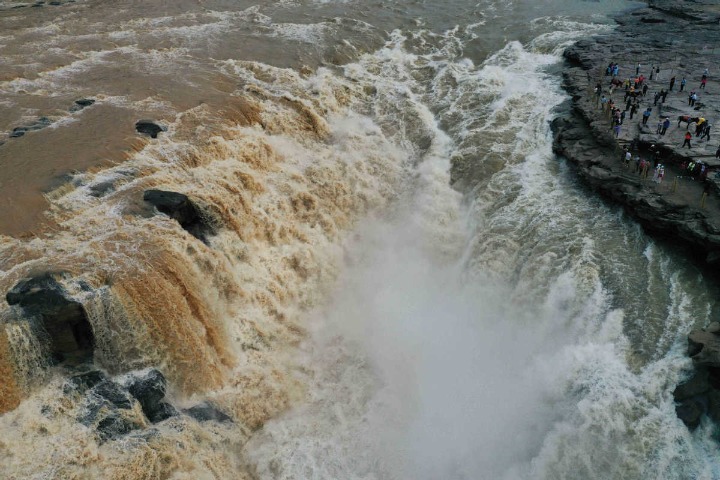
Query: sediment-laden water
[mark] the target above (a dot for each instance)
(405, 282)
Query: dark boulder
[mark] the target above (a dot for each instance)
(38, 124)
(149, 127)
(84, 381)
(704, 348)
(113, 426)
(82, 103)
(206, 411)
(181, 208)
(113, 393)
(698, 384)
(148, 387)
(163, 412)
(18, 132)
(62, 318)
(109, 410)
(690, 411)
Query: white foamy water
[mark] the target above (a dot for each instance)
(480, 339)
(406, 283)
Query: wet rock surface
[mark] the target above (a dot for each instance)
(149, 127)
(675, 209)
(181, 208)
(684, 210)
(133, 402)
(81, 104)
(38, 124)
(700, 394)
(149, 388)
(206, 411)
(45, 301)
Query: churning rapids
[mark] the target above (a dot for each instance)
(404, 282)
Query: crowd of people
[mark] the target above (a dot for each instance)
(635, 90)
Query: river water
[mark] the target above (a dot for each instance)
(406, 282)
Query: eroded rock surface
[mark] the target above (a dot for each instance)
(181, 208)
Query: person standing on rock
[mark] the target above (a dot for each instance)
(628, 157)
(622, 117)
(717, 152)
(646, 115)
(688, 137)
(664, 95)
(672, 83)
(682, 84)
(657, 97)
(637, 69)
(665, 125)
(616, 128)
(659, 127)
(633, 110)
(706, 132)
(703, 82)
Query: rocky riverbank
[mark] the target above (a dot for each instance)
(676, 39)
(665, 40)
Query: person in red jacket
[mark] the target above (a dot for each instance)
(688, 136)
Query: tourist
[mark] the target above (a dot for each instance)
(646, 115)
(661, 173)
(688, 137)
(665, 126)
(638, 162)
(659, 127)
(703, 82)
(706, 132)
(717, 152)
(628, 157)
(664, 95)
(633, 110)
(622, 117)
(699, 126)
(672, 83)
(682, 84)
(644, 90)
(617, 130)
(657, 97)
(637, 69)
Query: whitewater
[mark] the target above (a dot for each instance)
(405, 283)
